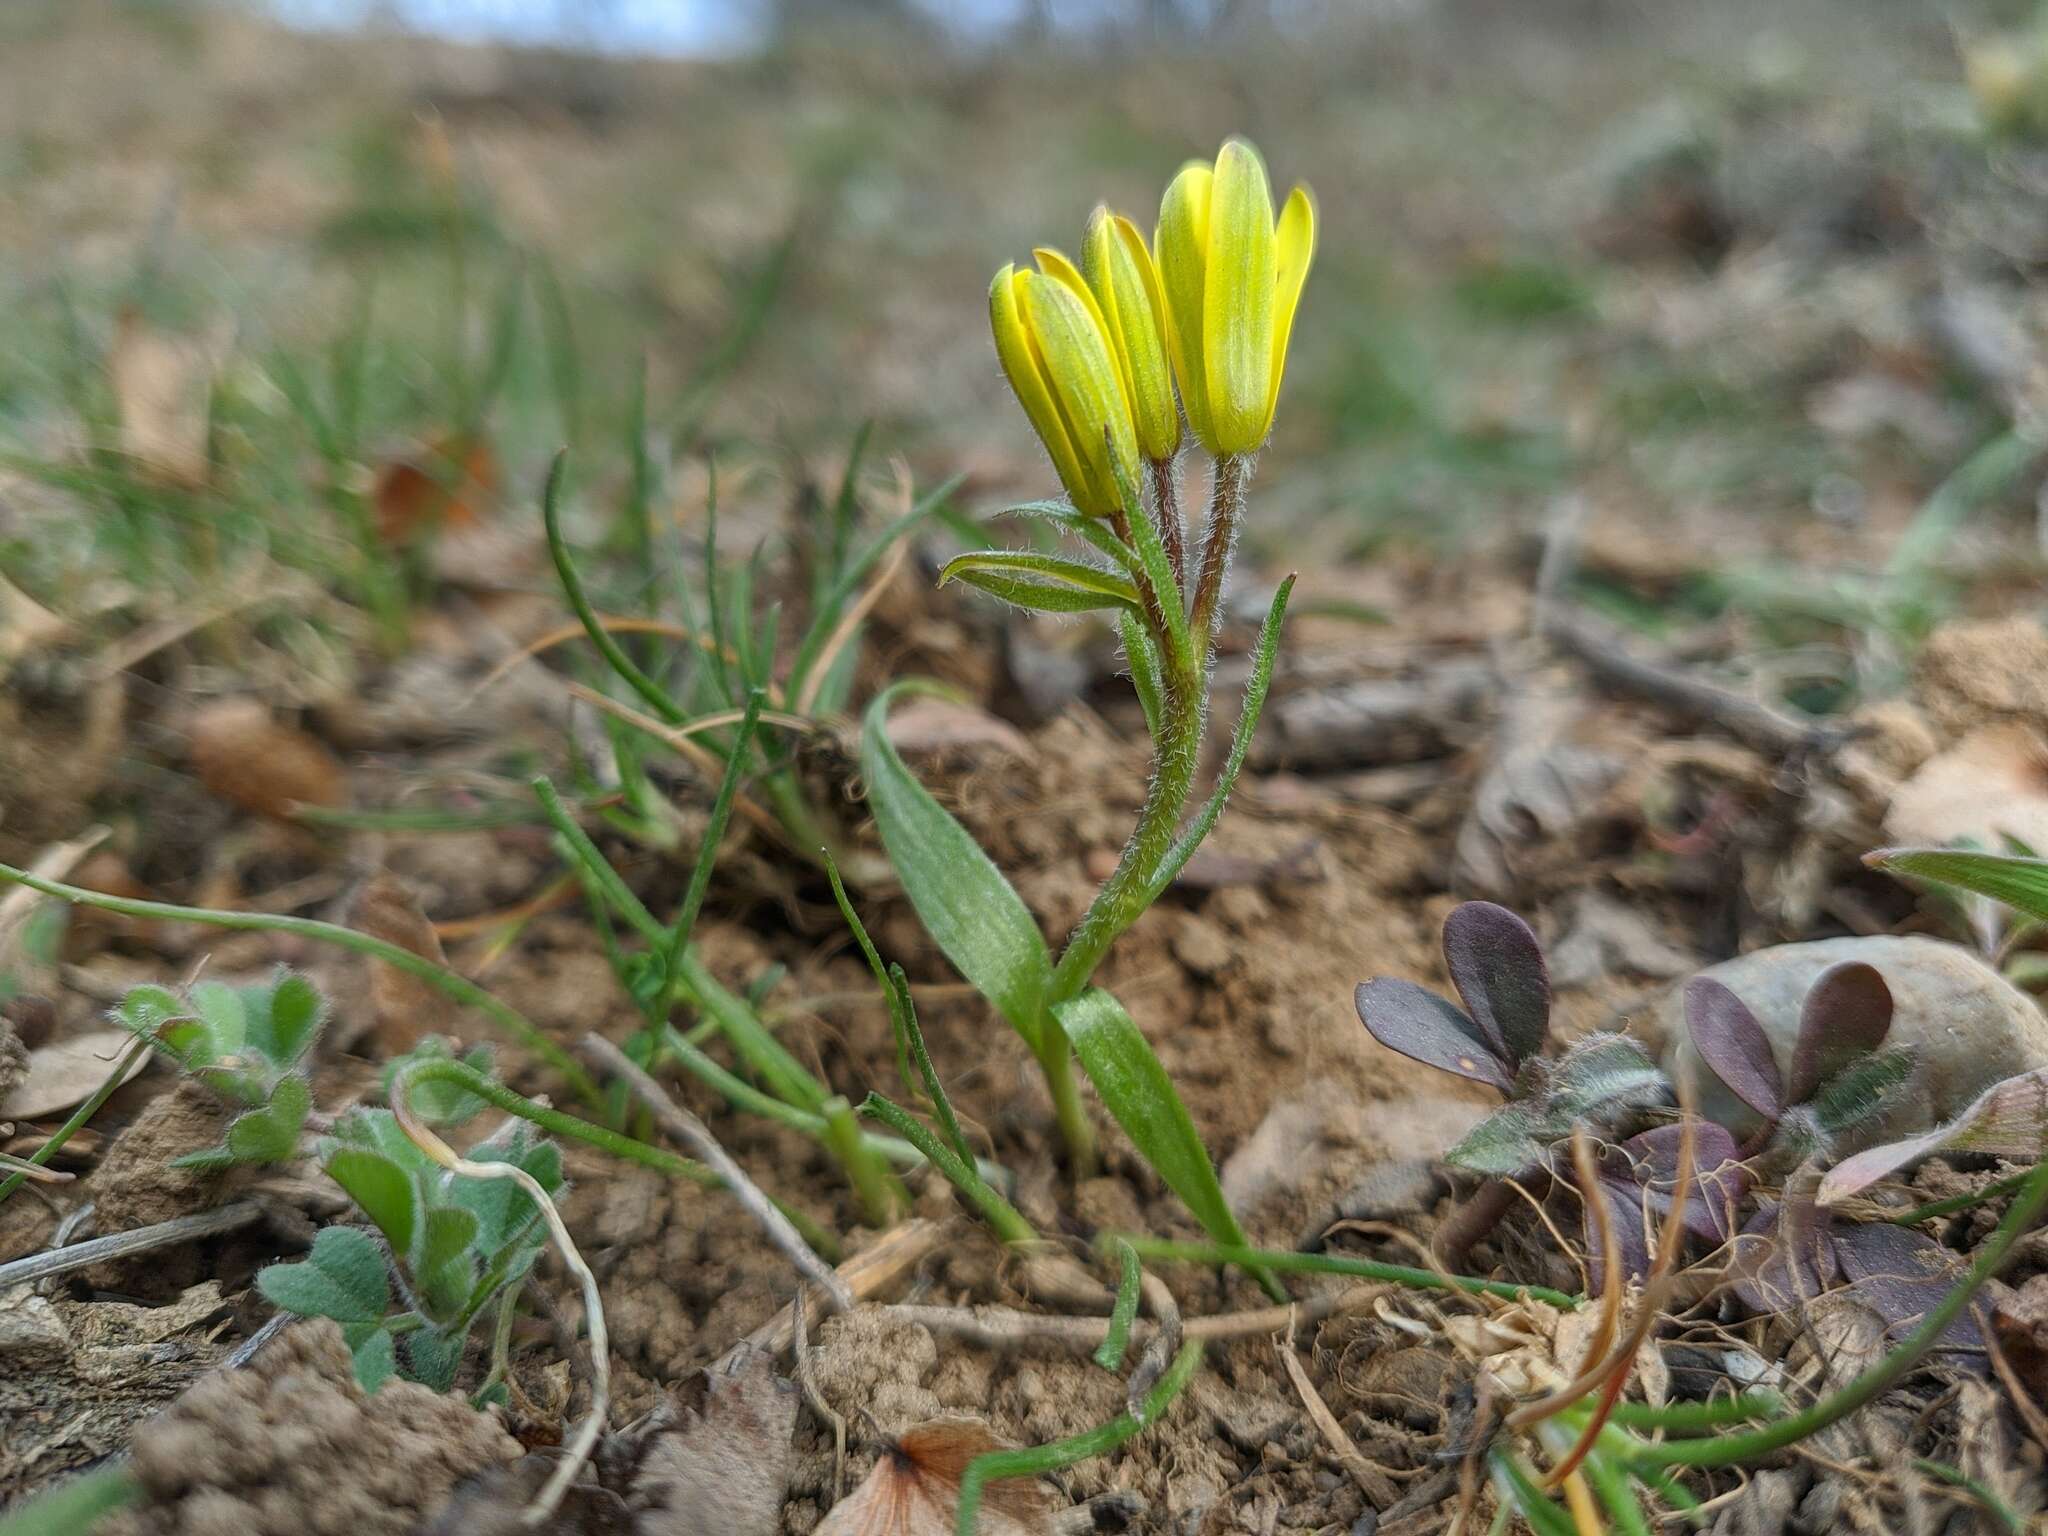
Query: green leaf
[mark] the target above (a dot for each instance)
(1863, 1090)
(206, 1159)
(443, 1237)
(146, 1010)
(434, 1100)
(1135, 1087)
(1049, 583)
(975, 916)
(225, 1015)
(1143, 656)
(431, 1357)
(381, 1189)
(1093, 530)
(1604, 1072)
(2019, 883)
(375, 1359)
(342, 1278)
(1512, 1139)
(502, 1209)
(271, 1134)
(292, 1023)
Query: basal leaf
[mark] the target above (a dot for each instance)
(1497, 966)
(975, 916)
(444, 1236)
(1846, 1014)
(1734, 1046)
(1430, 1029)
(292, 1023)
(1904, 1274)
(271, 1134)
(431, 1357)
(1603, 1075)
(375, 1360)
(1866, 1088)
(146, 1010)
(382, 1190)
(2009, 1119)
(1135, 1088)
(225, 1014)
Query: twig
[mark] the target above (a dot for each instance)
(1748, 720)
(686, 1128)
(1007, 1328)
(122, 1245)
(868, 1273)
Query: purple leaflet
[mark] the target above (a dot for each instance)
(1640, 1177)
(1497, 966)
(1903, 1274)
(1430, 1029)
(1734, 1046)
(1847, 1014)
(1784, 1256)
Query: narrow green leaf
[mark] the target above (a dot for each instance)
(1143, 656)
(2017, 882)
(1092, 585)
(975, 916)
(381, 1189)
(1091, 530)
(1110, 1354)
(1121, 1064)
(1040, 594)
(1864, 1089)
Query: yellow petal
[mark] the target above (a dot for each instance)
(1025, 369)
(1055, 265)
(1295, 245)
(1237, 300)
(1181, 247)
(1126, 284)
(1084, 382)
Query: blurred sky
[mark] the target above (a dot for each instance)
(657, 26)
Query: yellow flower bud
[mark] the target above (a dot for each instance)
(1121, 272)
(1231, 278)
(1054, 345)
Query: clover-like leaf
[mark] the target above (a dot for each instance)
(1430, 1029)
(225, 1014)
(431, 1356)
(1846, 1014)
(1719, 1180)
(373, 1356)
(382, 1190)
(271, 1134)
(1904, 1274)
(502, 1209)
(287, 1028)
(442, 1103)
(342, 1277)
(1734, 1046)
(1496, 963)
(147, 1010)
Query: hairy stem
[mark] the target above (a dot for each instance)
(1226, 505)
(1173, 530)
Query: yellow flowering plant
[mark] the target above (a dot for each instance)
(1117, 362)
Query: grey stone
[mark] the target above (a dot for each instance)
(1970, 1026)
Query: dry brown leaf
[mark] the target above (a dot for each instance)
(261, 764)
(161, 384)
(718, 1459)
(914, 1489)
(446, 483)
(1991, 785)
(65, 1073)
(404, 1007)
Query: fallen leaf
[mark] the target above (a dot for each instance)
(66, 1072)
(262, 764)
(444, 484)
(162, 385)
(914, 1489)
(1990, 786)
(717, 1457)
(404, 1008)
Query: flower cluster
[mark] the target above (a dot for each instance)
(1095, 352)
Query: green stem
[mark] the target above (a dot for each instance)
(79, 1116)
(1004, 1219)
(619, 1145)
(1337, 1264)
(1955, 1203)
(1038, 1460)
(1694, 1418)
(1726, 1450)
(1110, 1356)
(1056, 1062)
(1226, 506)
(459, 987)
(882, 1195)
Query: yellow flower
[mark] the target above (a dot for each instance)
(1126, 283)
(1054, 344)
(1232, 279)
